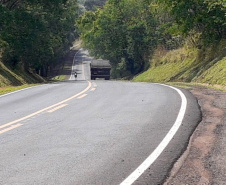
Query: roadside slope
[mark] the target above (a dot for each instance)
(206, 65)
(17, 77)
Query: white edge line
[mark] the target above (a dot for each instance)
(20, 90)
(155, 154)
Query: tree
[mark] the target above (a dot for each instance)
(37, 33)
(203, 16)
(123, 32)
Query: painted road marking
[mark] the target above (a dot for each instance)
(93, 89)
(94, 84)
(57, 108)
(10, 128)
(155, 154)
(47, 108)
(80, 97)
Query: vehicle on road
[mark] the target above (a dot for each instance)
(100, 69)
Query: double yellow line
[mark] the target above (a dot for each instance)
(53, 107)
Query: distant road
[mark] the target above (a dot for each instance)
(93, 132)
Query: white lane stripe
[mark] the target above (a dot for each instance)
(155, 154)
(93, 89)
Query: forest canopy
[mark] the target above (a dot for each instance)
(36, 33)
(126, 32)
(123, 32)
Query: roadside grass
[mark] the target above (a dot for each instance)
(59, 78)
(12, 80)
(215, 74)
(8, 89)
(181, 66)
(169, 67)
(8, 77)
(190, 86)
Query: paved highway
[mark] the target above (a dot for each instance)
(93, 132)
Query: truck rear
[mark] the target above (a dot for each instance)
(100, 69)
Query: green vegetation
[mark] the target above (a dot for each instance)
(34, 38)
(203, 16)
(215, 74)
(4, 90)
(186, 33)
(36, 34)
(120, 34)
(59, 78)
(17, 77)
(169, 66)
(180, 40)
(188, 65)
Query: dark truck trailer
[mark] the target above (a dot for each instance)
(100, 69)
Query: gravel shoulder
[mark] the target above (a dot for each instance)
(204, 161)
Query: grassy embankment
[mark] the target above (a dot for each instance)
(11, 80)
(205, 66)
(16, 79)
(181, 66)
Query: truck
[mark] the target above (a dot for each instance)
(100, 69)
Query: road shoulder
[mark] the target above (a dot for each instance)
(204, 161)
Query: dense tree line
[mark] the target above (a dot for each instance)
(127, 31)
(123, 32)
(207, 17)
(36, 33)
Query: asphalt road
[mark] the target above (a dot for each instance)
(93, 132)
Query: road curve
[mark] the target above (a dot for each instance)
(91, 132)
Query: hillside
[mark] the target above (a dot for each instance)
(207, 65)
(11, 80)
(124, 32)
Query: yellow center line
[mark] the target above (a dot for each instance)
(56, 108)
(10, 128)
(45, 109)
(80, 97)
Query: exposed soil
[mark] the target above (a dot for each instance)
(204, 162)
